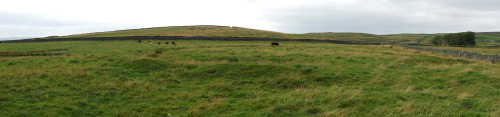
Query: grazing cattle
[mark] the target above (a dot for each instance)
(159, 43)
(173, 43)
(139, 41)
(166, 42)
(275, 44)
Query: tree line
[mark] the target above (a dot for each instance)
(455, 39)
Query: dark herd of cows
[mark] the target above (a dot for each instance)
(159, 43)
(173, 43)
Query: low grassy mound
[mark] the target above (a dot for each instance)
(241, 78)
(211, 31)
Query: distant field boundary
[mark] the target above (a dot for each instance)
(464, 54)
(182, 38)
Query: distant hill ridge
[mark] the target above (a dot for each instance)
(198, 30)
(237, 33)
(233, 31)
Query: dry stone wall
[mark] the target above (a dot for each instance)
(464, 54)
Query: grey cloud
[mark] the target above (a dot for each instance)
(21, 19)
(477, 5)
(30, 25)
(369, 16)
(42, 31)
(404, 16)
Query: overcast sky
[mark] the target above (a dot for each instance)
(34, 18)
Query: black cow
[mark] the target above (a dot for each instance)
(173, 43)
(139, 41)
(159, 43)
(166, 42)
(275, 44)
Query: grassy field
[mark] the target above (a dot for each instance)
(371, 38)
(354, 37)
(240, 78)
(482, 39)
(488, 38)
(410, 38)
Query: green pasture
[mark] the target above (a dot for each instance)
(240, 78)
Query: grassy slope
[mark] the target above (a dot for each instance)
(481, 38)
(216, 31)
(218, 78)
(409, 38)
(485, 38)
(356, 37)
(364, 37)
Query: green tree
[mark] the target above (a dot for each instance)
(460, 39)
(446, 39)
(470, 38)
(456, 39)
(437, 40)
